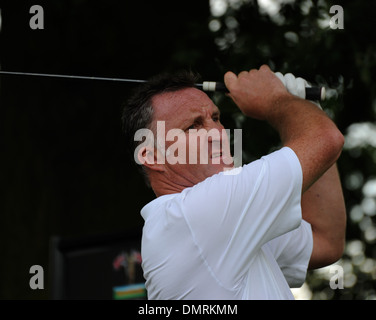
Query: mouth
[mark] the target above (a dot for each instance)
(221, 158)
(216, 155)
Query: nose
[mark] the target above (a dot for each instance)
(211, 123)
(215, 129)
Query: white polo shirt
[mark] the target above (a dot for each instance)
(231, 236)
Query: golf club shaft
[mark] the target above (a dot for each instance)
(312, 93)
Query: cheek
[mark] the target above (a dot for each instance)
(225, 143)
(176, 150)
(197, 149)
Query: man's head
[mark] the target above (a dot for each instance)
(187, 144)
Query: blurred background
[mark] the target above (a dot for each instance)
(64, 168)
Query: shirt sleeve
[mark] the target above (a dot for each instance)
(233, 215)
(292, 252)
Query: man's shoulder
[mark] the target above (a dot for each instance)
(154, 204)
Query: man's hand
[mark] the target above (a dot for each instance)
(295, 85)
(255, 92)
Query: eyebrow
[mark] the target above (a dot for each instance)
(216, 112)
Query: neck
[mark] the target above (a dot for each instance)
(162, 185)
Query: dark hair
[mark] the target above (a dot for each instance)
(138, 110)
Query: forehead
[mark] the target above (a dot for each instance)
(185, 103)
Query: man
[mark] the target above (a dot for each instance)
(217, 232)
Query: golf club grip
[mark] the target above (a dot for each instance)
(312, 93)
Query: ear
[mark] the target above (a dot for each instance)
(150, 157)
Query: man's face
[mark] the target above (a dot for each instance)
(198, 146)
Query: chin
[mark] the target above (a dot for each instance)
(222, 167)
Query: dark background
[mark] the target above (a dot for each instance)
(64, 169)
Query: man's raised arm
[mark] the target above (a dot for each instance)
(317, 142)
(302, 126)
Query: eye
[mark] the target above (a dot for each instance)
(193, 126)
(216, 118)
(196, 124)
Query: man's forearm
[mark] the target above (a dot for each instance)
(323, 207)
(311, 134)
